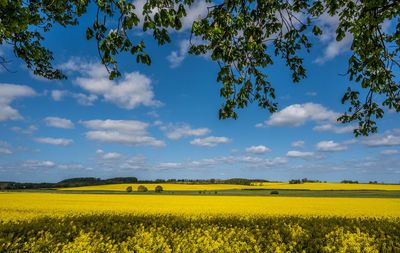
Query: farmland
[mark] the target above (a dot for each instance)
(16, 206)
(211, 187)
(116, 221)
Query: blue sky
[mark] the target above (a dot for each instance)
(162, 121)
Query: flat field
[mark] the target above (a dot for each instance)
(65, 222)
(16, 206)
(211, 187)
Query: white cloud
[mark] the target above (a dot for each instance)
(8, 93)
(258, 150)
(132, 90)
(99, 152)
(177, 131)
(298, 114)
(176, 57)
(390, 152)
(389, 138)
(55, 141)
(81, 98)
(193, 12)
(329, 24)
(303, 155)
(111, 155)
(57, 95)
(334, 128)
(5, 151)
(157, 123)
(298, 144)
(311, 93)
(248, 162)
(59, 122)
(138, 162)
(131, 132)
(210, 141)
(36, 164)
(28, 130)
(171, 165)
(330, 146)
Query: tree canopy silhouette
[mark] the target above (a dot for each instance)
(242, 36)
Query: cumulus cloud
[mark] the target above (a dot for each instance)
(258, 150)
(390, 152)
(210, 141)
(54, 141)
(303, 155)
(81, 98)
(333, 48)
(36, 164)
(138, 162)
(176, 57)
(298, 144)
(389, 138)
(5, 151)
(245, 162)
(130, 132)
(108, 156)
(59, 122)
(5, 148)
(299, 114)
(334, 128)
(28, 130)
(157, 123)
(177, 131)
(8, 93)
(170, 165)
(58, 95)
(330, 146)
(132, 90)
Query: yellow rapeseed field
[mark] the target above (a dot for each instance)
(328, 186)
(166, 187)
(212, 187)
(17, 206)
(68, 222)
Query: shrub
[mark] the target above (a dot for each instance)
(158, 188)
(142, 188)
(129, 189)
(274, 192)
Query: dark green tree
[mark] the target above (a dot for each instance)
(158, 188)
(129, 189)
(142, 188)
(242, 36)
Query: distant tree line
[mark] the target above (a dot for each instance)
(349, 182)
(304, 180)
(71, 182)
(88, 181)
(238, 181)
